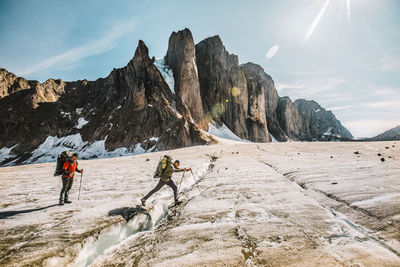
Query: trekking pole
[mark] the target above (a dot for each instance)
(195, 181)
(80, 184)
(183, 175)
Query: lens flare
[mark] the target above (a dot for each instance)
(215, 113)
(348, 11)
(272, 51)
(316, 21)
(235, 92)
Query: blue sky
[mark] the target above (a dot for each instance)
(345, 54)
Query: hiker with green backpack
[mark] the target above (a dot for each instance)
(164, 170)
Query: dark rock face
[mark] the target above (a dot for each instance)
(256, 119)
(181, 58)
(131, 106)
(306, 120)
(322, 123)
(224, 91)
(390, 135)
(290, 120)
(261, 87)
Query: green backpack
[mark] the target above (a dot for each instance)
(162, 164)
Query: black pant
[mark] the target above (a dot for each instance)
(160, 184)
(67, 184)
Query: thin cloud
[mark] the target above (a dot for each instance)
(74, 55)
(310, 88)
(390, 62)
(342, 107)
(391, 105)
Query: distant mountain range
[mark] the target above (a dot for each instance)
(389, 135)
(153, 105)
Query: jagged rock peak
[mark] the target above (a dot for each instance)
(11, 83)
(392, 134)
(324, 123)
(290, 120)
(141, 52)
(215, 48)
(34, 91)
(252, 66)
(180, 44)
(213, 41)
(220, 76)
(181, 58)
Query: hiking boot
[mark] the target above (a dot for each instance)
(67, 201)
(143, 201)
(60, 203)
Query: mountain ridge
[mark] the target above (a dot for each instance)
(389, 135)
(134, 110)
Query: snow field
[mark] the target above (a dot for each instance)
(276, 204)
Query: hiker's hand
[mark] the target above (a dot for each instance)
(71, 175)
(190, 169)
(81, 170)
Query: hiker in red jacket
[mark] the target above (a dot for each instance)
(69, 168)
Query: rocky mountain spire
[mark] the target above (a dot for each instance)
(260, 83)
(223, 86)
(181, 58)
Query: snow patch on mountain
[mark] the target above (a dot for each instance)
(53, 146)
(273, 138)
(66, 114)
(329, 131)
(81, 122)
(223, 132)
(166, 73)
(5, 153)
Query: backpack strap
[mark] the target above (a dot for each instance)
(69, 165)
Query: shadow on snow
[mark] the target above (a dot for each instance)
(128, 212)
(6, 214)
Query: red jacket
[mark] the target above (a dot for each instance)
(70, 168)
